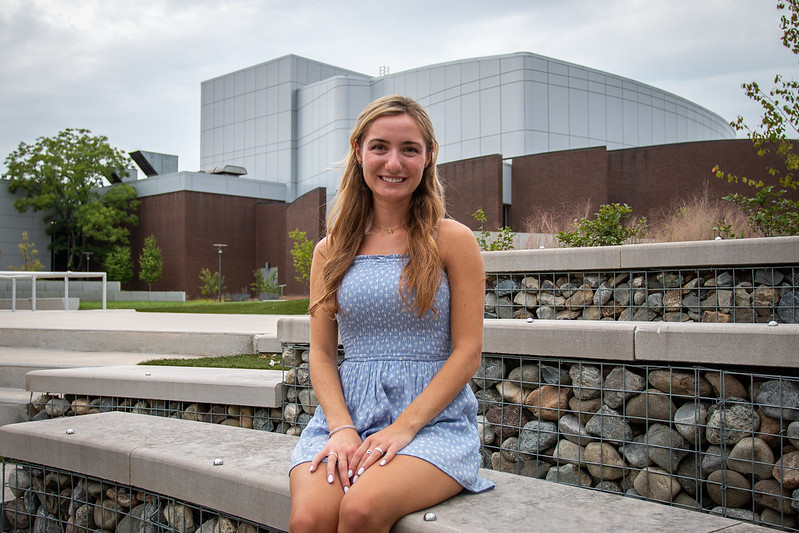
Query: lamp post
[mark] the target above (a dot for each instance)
(219, 271)
(88, 260)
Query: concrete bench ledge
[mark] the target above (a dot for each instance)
(231, 386)
(252, 483)
(664, 342)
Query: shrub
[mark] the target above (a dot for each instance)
(607, 229)
(210, 282)
(119, 265)
(504, 240)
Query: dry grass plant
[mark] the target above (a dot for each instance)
(699, 218)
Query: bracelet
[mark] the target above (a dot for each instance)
(346, 426)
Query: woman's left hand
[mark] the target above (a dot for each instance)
(380, 448)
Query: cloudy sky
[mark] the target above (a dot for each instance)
(131, 69)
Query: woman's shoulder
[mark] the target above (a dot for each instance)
(450, 229)
(455, 238)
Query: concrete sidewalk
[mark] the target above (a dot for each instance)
(130, 320)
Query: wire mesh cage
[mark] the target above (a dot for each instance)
(50, 500)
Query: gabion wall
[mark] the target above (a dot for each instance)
(706, 438)
(49, 500)
(746, 295)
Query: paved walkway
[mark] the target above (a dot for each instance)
(130, 320)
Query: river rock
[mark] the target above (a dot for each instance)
(485, 431)
(666, 447)
(752, 457)
(586, 381)
(620, 384)
(527, 375)
(179, 517)
(106, 515)
(569, 474)
(609, 425)
(731, 422)
(490, 303)
(510, 449)
(776, 393)
(507, 287)
(786, 470)
(727, 387)
(689, 420)
(585, 409)
(788, 308)
(219, 524)
(506, 420)
(262, 420)
(689, 474)
(548, 402)
(18, 481)
(738, 490)
(571, 428)
(636, 452)
(604, 461)
(511, 392)
(778, 520)
(769, 493)
(486, 399)
(656, 484)
(489, 373)
(764, 299)
(524, 299)
(536, 436)
(46, 522)
(650, 405)
(308, 400)
(679, 383)
(555, 375)
(568, 452)
(57, 407)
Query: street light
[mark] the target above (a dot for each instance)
(88, 260)
(219, 271)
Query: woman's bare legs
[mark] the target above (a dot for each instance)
(315, 503)
(384, 494)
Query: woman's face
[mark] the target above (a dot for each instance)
(393, 154)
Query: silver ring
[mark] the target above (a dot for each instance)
(334, 454)
(377, 449)
(368, 451)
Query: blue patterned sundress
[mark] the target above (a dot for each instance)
(391, 354)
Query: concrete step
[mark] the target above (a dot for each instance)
(13, 405)
(206, 343)
(13, 375)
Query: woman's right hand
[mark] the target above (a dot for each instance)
(339, 451)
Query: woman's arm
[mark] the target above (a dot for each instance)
(323, 362)
(464, 265)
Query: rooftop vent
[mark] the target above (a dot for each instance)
(229, 170)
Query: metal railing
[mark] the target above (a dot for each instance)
(14, 275)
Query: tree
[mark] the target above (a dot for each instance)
(119, 265)
(768, 212)
(150, 262)
(60, 176)
(301, 254)
(29, 252)
(211, 282)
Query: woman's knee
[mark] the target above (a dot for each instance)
(359, 513)
(304, 519)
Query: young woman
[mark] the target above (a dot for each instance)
(395, 430)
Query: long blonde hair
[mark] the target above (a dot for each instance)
(352, 212)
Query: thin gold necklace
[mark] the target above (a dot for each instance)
(389, 231)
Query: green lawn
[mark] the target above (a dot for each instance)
(252, 361)
(268, 307)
